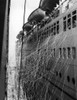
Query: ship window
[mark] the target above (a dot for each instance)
(74, 12)
(54, 52)
(57, 22)
(54, 28)
(64, 25)
(73, 52)
(69, 52)
(68, 78)
(69, 15)
(51, 28)
(69, 23)
(64, 52)
(60, 52)
(74, 21)
(57, 27)
(64, 18)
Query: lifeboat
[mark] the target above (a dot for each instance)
(27, 27)
(48, 5)
(36, 16)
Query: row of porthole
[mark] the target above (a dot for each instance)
(60, 75)
(68, 77)
(73, 79)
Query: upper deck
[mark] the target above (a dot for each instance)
(52, 27)
(55, 23)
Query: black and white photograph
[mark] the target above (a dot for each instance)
(38, 50)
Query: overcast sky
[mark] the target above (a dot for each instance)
(16, 22)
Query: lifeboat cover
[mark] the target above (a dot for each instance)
(27, 26)
(48, 5)
(37, 15)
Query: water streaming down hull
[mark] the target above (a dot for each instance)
(42, 70)
(50, 61)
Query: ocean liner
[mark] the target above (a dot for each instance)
(49, 52)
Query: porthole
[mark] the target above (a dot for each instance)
(57, 22)
(57, 99)
(68, 78)
(6, 93)
(73, 81)
(56, 73)
(60, 75)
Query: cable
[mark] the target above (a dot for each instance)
(24, 12)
